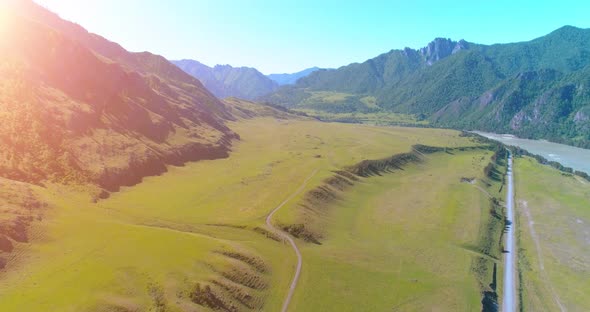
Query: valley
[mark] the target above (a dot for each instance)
(158, 239)
(418, 250)
(132, 183)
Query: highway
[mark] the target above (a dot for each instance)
(509, 295)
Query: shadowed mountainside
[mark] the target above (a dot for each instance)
(86, 110)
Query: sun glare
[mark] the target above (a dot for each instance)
(355, 156)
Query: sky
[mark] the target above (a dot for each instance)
(277, 36)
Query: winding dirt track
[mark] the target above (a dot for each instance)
(288, 238)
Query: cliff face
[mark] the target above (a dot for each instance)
(440, 48)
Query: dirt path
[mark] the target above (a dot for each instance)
(483, 191)
(288, 238)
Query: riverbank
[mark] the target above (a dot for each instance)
(568, 156)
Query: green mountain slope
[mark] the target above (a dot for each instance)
(442, 82)
(227, 81)
(540, 104)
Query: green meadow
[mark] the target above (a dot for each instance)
(554, 238)
(403, 241)
(196, 233)
(375, 118)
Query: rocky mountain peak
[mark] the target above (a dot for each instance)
(440, 48)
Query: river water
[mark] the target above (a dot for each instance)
(569, 156)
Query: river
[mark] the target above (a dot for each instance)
(569, 156)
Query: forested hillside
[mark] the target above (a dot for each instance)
(535, 89)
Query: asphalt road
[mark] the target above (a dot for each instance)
(509, 296)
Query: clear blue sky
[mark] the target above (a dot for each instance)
(285, 36)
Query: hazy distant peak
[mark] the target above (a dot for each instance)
(189, 61)
(287, 79)
(224, 80)
(568, 28)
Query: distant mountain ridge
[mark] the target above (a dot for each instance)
(227, 81)
(534, 89)
(288, 79)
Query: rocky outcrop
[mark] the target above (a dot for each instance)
(440, 48)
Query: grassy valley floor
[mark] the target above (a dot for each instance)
(554, 238)
(194, 239)
(405, 241)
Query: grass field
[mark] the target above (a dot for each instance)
(402, 241)
(554, 238)
(147, 247)
(376, 119)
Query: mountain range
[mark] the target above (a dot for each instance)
(87, 110)
(534, 89)
(241, 82)
(227, 81)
